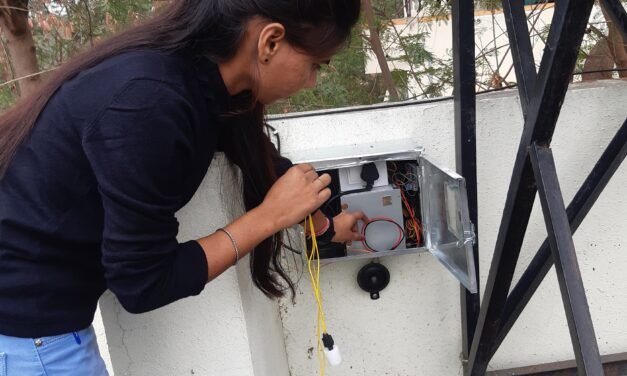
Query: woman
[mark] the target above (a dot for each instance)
(96, 164)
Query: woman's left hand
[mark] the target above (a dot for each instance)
(345, 225)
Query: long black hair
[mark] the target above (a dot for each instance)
(213, 28)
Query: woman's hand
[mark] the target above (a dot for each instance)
(296, 194)
(345, 225)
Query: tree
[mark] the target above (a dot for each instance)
(609, 50)
(375, 43)
(39, 35)
(51, 31)
(19, 45)
(345, 83)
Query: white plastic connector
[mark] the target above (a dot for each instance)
(350, 178)
(333, 356)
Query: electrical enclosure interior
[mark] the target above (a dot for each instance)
(413, 206)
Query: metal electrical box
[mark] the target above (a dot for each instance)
(385, 202)
(446, 230)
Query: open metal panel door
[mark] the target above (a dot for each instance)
(448, 232)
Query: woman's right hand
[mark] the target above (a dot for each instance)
(296, 194)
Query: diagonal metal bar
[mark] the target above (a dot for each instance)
(579, 207)
(569, 23)
(522, 52)
(568, 274)
(617, 14)
(463, 22)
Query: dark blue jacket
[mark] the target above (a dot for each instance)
(88, 202)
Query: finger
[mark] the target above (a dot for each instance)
(359, 215)
(324, 179)
(311, 175)
(304, 167)
(324, 195)
(357, 236)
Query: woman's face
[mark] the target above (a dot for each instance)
(285, 73)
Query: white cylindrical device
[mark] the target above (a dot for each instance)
(333, 356)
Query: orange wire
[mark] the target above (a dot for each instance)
(413, 217)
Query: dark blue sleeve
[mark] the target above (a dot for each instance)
(139, 149)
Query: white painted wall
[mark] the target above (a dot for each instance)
(101, 338)
(215, 333)
(414, 328)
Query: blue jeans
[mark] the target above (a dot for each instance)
(72, 354)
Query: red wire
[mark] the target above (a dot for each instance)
(412, 215)
(370, 220)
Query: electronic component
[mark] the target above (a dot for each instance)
(373, 278)
(331, 351)
(380, 202)
(423, 207)
(352, 178)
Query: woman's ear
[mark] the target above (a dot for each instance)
(271, 39)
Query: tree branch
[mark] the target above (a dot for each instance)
(91, 30)
(375, 42)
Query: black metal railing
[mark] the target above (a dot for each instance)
(465, 144)
(541, 94)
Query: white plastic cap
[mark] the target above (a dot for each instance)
(333, 356)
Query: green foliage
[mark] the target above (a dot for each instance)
(345, 83)
(61, 28)
(124, 12)
(64, 27)
(489, 5)
(435, 8)
(413, 50)
(7, 97)
(431, 75)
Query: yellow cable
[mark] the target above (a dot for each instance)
(315, 284)
(316, 279)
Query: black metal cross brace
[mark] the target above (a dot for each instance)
(579, 207)
(563, 251)
(617, 15)
(541, 95)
